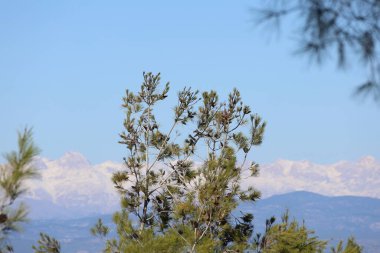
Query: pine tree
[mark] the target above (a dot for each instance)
(182, 200)
(13, 174)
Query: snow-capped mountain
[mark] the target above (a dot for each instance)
(73, 187)
(360, 178)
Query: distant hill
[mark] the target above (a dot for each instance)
(333, 218)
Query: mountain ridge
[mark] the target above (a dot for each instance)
(333, 219)
(73, 184)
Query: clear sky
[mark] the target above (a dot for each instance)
(64, 67)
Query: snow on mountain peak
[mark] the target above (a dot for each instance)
(360, 178)
(73, 184)
(73, 160)
(367, 161)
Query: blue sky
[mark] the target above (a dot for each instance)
(64, 67)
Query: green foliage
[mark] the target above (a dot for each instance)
(351, 247)
(99, 229)
(288, 237)
(182, 198)
(47, 244)
(13, 174)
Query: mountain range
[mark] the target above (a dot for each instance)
(333, 219)
(72, 187)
